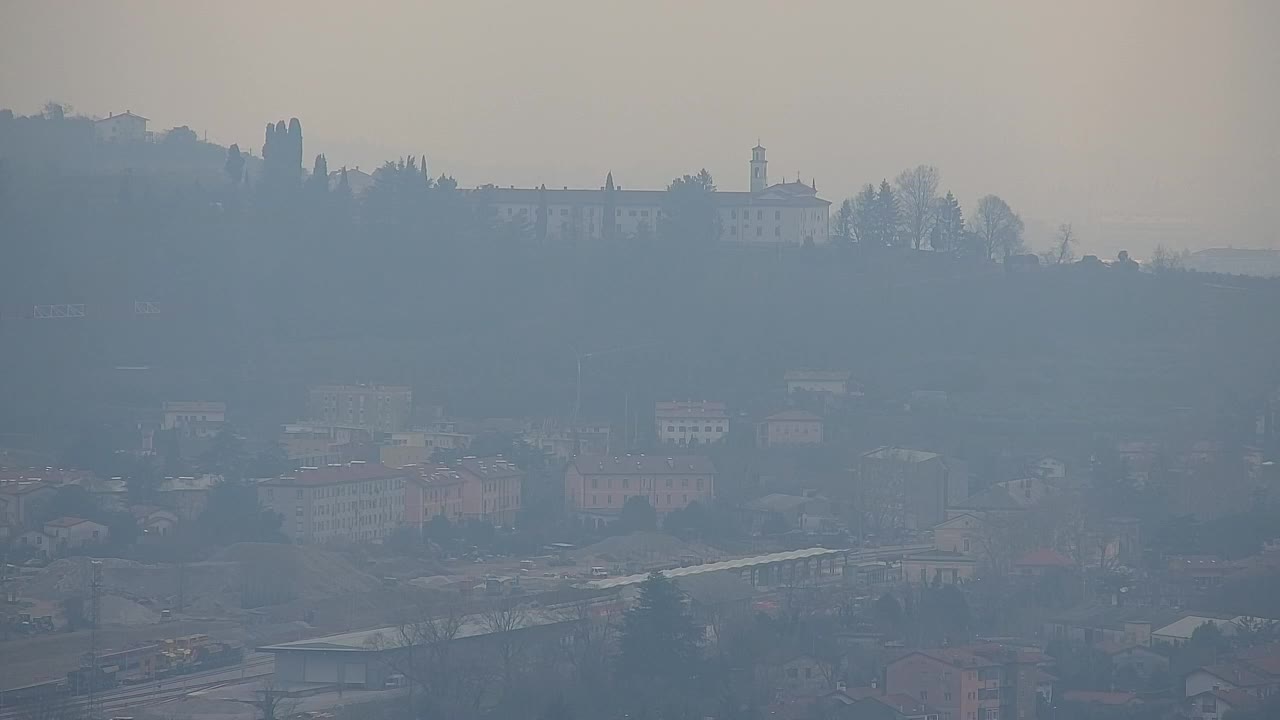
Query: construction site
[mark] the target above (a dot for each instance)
(161, 620)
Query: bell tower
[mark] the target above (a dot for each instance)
(759, 169)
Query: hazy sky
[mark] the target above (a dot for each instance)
(1083, 111)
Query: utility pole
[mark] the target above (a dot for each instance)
(577, 395)
(92, 709)
(182, 585)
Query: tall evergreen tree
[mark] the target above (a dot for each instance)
(948, 227)
(659, 638)
(540, 220)
(844, 222)
(888, 217)
(234, 166)
(689, 212)
(863, 229)
(318, 183)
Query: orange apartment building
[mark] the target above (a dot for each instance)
(984, 682)
(486, 489)
(597, 486)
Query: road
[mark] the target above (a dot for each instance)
(127, 698)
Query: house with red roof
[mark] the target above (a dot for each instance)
(1043, 561)
(63, 535)
(1217, 704)
(1087, 698)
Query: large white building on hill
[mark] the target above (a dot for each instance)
(785, 213)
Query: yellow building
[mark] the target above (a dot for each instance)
(786, 213)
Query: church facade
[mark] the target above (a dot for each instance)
(786, 213)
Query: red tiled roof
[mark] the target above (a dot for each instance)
(693, 409)
(997, 651)
(438, 476)
(1045, 557)
(490, 467)
(337, 474)
(1236, 673)
(795, 415)
(904, 704)
(66, 522)
(1237, 699)
(858, 693)
(952, 656)
(1100, 697)
(1263, 658)
(16, 486)
(644, 464)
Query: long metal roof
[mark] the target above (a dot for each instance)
(738, 564)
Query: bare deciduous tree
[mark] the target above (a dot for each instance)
(1164, 260)
(918, 195)
(1063, 250)
(997, 227)
(273, 702)
(503, 622)
(423, 643)
(594, 626)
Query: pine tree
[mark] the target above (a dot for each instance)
(888, 218)
(540, 221)
(659, 638)
(864, 215)
(948, 230)
(235, 164)
(844, 221)
(318, 183)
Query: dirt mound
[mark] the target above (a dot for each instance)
(310, 572)
(647, 548)
(118, 610)
(157, 585)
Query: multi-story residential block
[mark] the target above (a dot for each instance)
(789, 427)
(377, 408)
(493, 489)
(437, 491)
(483, 489)
(691, 422)
(415, 447)
(982, 682)
(786, 213)
(565, 441)
(356, 502)
(597, 486)
(905, 488)
(830, 382)
(194, 418)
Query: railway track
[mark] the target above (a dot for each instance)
(139, 696)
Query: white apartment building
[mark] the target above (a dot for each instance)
(194, 418)
(691, 422)
(356, 502)
(377, 408)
